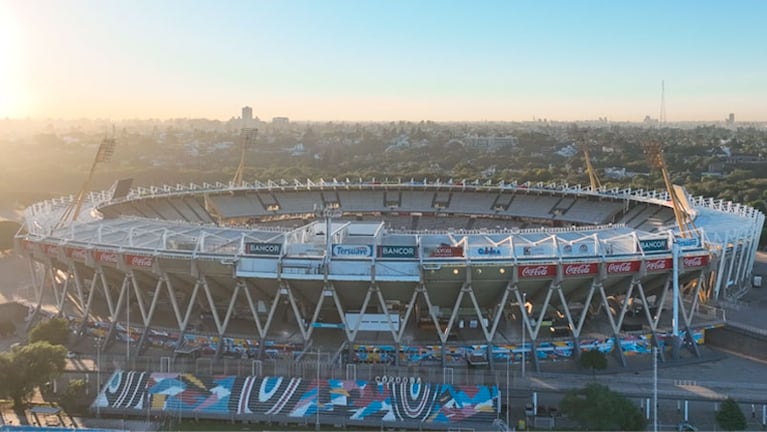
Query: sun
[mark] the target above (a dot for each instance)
(10, 65)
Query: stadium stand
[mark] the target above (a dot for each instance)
(358, 201)
(416, 201)
(532, 206)
(234, 206)
(584, 211)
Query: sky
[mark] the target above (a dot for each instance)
(364, 60)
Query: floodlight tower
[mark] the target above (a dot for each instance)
(653, 150)
(103, 154)
(247, 139)
(583, 143)
(581, 137)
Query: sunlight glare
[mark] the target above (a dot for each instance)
(10, 62)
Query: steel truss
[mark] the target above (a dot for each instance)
(76, 285)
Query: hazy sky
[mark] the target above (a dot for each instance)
(383, 60)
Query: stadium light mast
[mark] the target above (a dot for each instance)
(103, 154)
(654, 152)
(247, 139)
(583, 146)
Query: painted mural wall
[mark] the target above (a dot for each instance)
(298, 398)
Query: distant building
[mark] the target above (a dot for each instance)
(490, 142)
(247, 114)
(568, 151)
(731, 119)
(280, 121)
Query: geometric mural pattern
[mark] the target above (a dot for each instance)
(297, 398)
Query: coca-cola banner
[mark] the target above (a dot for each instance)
(659, 265)
(27, 245)
(51, 250)
(623, 267)
(106, 257)
(139, 261)
(537, 271)
(695, 261)
(580, 269)
(76, 253)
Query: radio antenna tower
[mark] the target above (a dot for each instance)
(662, 118)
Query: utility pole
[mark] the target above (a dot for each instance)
(655, 389)
(524, 318)
(317, 418)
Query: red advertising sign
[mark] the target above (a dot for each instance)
(106, 257)
(50, 250)
(446, 251)
(139, 261)
(537, 271)
(623, 267)
(27, 245)
(580, 269)
(657, 265)
(695, 261)
(76, 253)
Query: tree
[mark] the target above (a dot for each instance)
(8, 230)
(597, 408)
(73, 399)
(28, 367)
(54, 331)
(594, 360)
(730, 417)
(7, 327)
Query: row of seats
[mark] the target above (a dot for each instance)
(254, 204)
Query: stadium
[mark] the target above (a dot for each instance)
(404, 273)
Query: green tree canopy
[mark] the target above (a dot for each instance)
(730, 417)
(55, 331)
(8, 230)
(74, 398)
(594, 360)
(596, 407)
(7, 327)
(29, 366)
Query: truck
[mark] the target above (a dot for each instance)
(756, 281)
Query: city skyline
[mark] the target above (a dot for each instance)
(383, 61)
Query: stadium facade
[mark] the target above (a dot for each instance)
(390, 271)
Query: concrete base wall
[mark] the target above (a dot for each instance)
(738, 340)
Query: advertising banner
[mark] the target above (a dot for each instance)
(578, 249)
(352, 251)
(51, 250)
(444, 251)
(76, 253)
(537, 271)
(106, 257)
(139, 261)
(392, 251)
(658, 265)
(580, 269)
(263, 248)
(653, 245)
(688, 243)
(489, 251)
(623, 267)
(695, 261)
